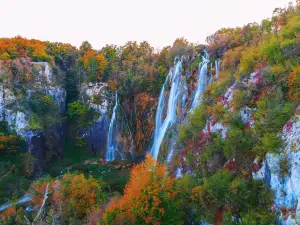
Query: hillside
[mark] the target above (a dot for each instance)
(192, 134)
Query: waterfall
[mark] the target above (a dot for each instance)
(201, 82)
(26, 198)
(217, 64)
(130, 134)
(210, 75)
(161, 127)
(112, 142)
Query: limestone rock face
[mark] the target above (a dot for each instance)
(282, 173)
(25, 82)
(96, 97)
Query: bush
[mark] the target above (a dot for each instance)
(250, 59)
(270, 143)
(271, 115)
(77, 109)
(238, 143)
(217, 188)
(197, 121)
(218, 112)
(239, 99)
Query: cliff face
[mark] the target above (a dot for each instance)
(144, 112)
(282, 173)
(95, 96)
(31, 92)
(98, 97)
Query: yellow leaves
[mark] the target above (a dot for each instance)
(4, 56)
(101, 63)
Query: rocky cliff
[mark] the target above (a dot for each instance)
(32, 101)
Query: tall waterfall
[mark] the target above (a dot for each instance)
(161, 126)
(112, 142)
(201, 82)
(217, 64)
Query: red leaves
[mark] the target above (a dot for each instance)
(288, 126)
(219, 217)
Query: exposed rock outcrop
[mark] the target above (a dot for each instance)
(282, 173)
(25, 87)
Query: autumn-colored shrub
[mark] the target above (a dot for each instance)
(150, 197)
(294, 83)
(72, 198)
(80, 195)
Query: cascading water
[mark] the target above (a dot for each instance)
(210, 75)
(161, 127)
(26, 198)
(112, 142)
(201, 82)
(130, 135)
(217, 63)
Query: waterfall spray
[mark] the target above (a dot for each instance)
(202, 81)
(217, 64)
(112, 142)
(161, 127)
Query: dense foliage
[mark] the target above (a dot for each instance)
(150, 197)
(261, 61)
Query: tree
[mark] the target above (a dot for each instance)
(150, 197)
(101, 64)
(85, 47)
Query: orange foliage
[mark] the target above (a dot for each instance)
(11, 48)
(144, 124)
(294, 83)
(94, 62)
(112, 85)
(73, 194)
(10, 211)
(9, 144)
(145, 195)
(78, 192)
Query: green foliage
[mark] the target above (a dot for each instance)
(219, 88)
(269, 143)
(239, 99)
(217, 188)
(77, 109)
(271, 115)
(197, 121)
(250, 59)
(270, 50)
(41, 104)
(238, 142)
(216, 147)
(28, 163)
(241, 201)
